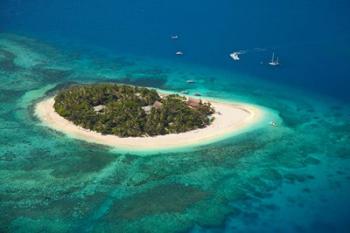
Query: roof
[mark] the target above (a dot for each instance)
(99, 108)
(157, 104)
(147, 109)
(193, 102)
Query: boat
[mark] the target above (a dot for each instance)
(190, 81)
(179, 53)
(235, 56)
(273, 123)
(274, 62)
(197, 94)
(174, 37)
(184, 92)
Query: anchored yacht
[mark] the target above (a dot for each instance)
(274, 62)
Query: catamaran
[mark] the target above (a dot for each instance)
(274, 62)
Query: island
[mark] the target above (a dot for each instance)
(130, 111)
(138, 118)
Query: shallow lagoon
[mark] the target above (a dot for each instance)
(294, 178)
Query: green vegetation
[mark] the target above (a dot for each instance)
(129, 111)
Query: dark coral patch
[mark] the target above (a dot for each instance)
(172, 198)
(91, 161)
(7, 63)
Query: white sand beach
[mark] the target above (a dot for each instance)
(229, 118)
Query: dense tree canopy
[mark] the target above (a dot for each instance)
(129, 111)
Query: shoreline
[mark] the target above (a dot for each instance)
(230, 118)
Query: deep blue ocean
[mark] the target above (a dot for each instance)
(310, 37)
(295, 178)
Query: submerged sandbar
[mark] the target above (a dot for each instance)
(230, 118)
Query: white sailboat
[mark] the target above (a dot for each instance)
(274, 62)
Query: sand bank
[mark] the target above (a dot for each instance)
(229, 118)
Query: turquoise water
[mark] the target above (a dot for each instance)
(293, 178)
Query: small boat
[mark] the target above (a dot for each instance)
(235, 56)
(274, 62)
(174, 37)
(197, 94)
(184, 92)
(273, 123)
(179, 53)
(190, 81)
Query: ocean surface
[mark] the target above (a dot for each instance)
(290, 178)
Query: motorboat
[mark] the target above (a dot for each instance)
(235, 56)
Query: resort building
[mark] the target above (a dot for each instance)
(194, 103)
